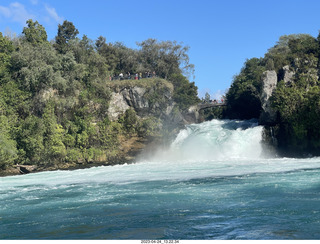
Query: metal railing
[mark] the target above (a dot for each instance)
(132, 76)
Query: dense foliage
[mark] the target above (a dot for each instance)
(244, 94)
(54, 95)
(296, 101)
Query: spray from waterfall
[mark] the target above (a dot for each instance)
(216, 140)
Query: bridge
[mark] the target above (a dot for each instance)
(193, 111)
(210, 105)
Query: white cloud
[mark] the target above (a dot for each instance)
(19, 13)
(53, 14)
(5, 12)
(34, 2)
(16, 12)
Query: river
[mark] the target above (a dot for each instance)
(215, 182)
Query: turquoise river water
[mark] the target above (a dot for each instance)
(214, 182)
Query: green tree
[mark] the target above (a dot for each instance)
(17, 100)
(243, 97)
(130, 120)
(149, 127)
(165, 58)
(73, 73)
(35, 33)
(185, 93)
(8, 150)
(126, 58)
(6, 49)
(301, 45)
(100, 43)
(30, 139)
(36, 68)
(108, 134)
(109, 52)
(66, 32)
(53, 137)
(95, 66)
(207, 97)
(82, 49)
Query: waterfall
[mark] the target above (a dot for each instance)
(218, 140)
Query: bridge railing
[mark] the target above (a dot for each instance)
(216, 101)
(211, 105)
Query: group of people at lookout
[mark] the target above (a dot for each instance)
(129, 76)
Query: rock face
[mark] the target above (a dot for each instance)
(118, 106)
(145, 101)
(129, 97)
(288, 75)
(192, 115)
(269, 82)
(149, 101)
(135, 98)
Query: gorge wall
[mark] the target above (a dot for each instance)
(270, 78)
(152, 98)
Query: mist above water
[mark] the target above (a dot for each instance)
(216, 140)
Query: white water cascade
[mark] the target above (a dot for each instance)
(219, 140)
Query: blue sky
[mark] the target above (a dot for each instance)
(221, 34)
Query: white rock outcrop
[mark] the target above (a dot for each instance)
(288, 75)
(117, 106)
(269, 84)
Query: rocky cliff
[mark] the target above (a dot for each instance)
(269, 83)
(270, 80)
(153, 97)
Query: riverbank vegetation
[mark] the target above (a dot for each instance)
(296, 99)
(54, 95)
